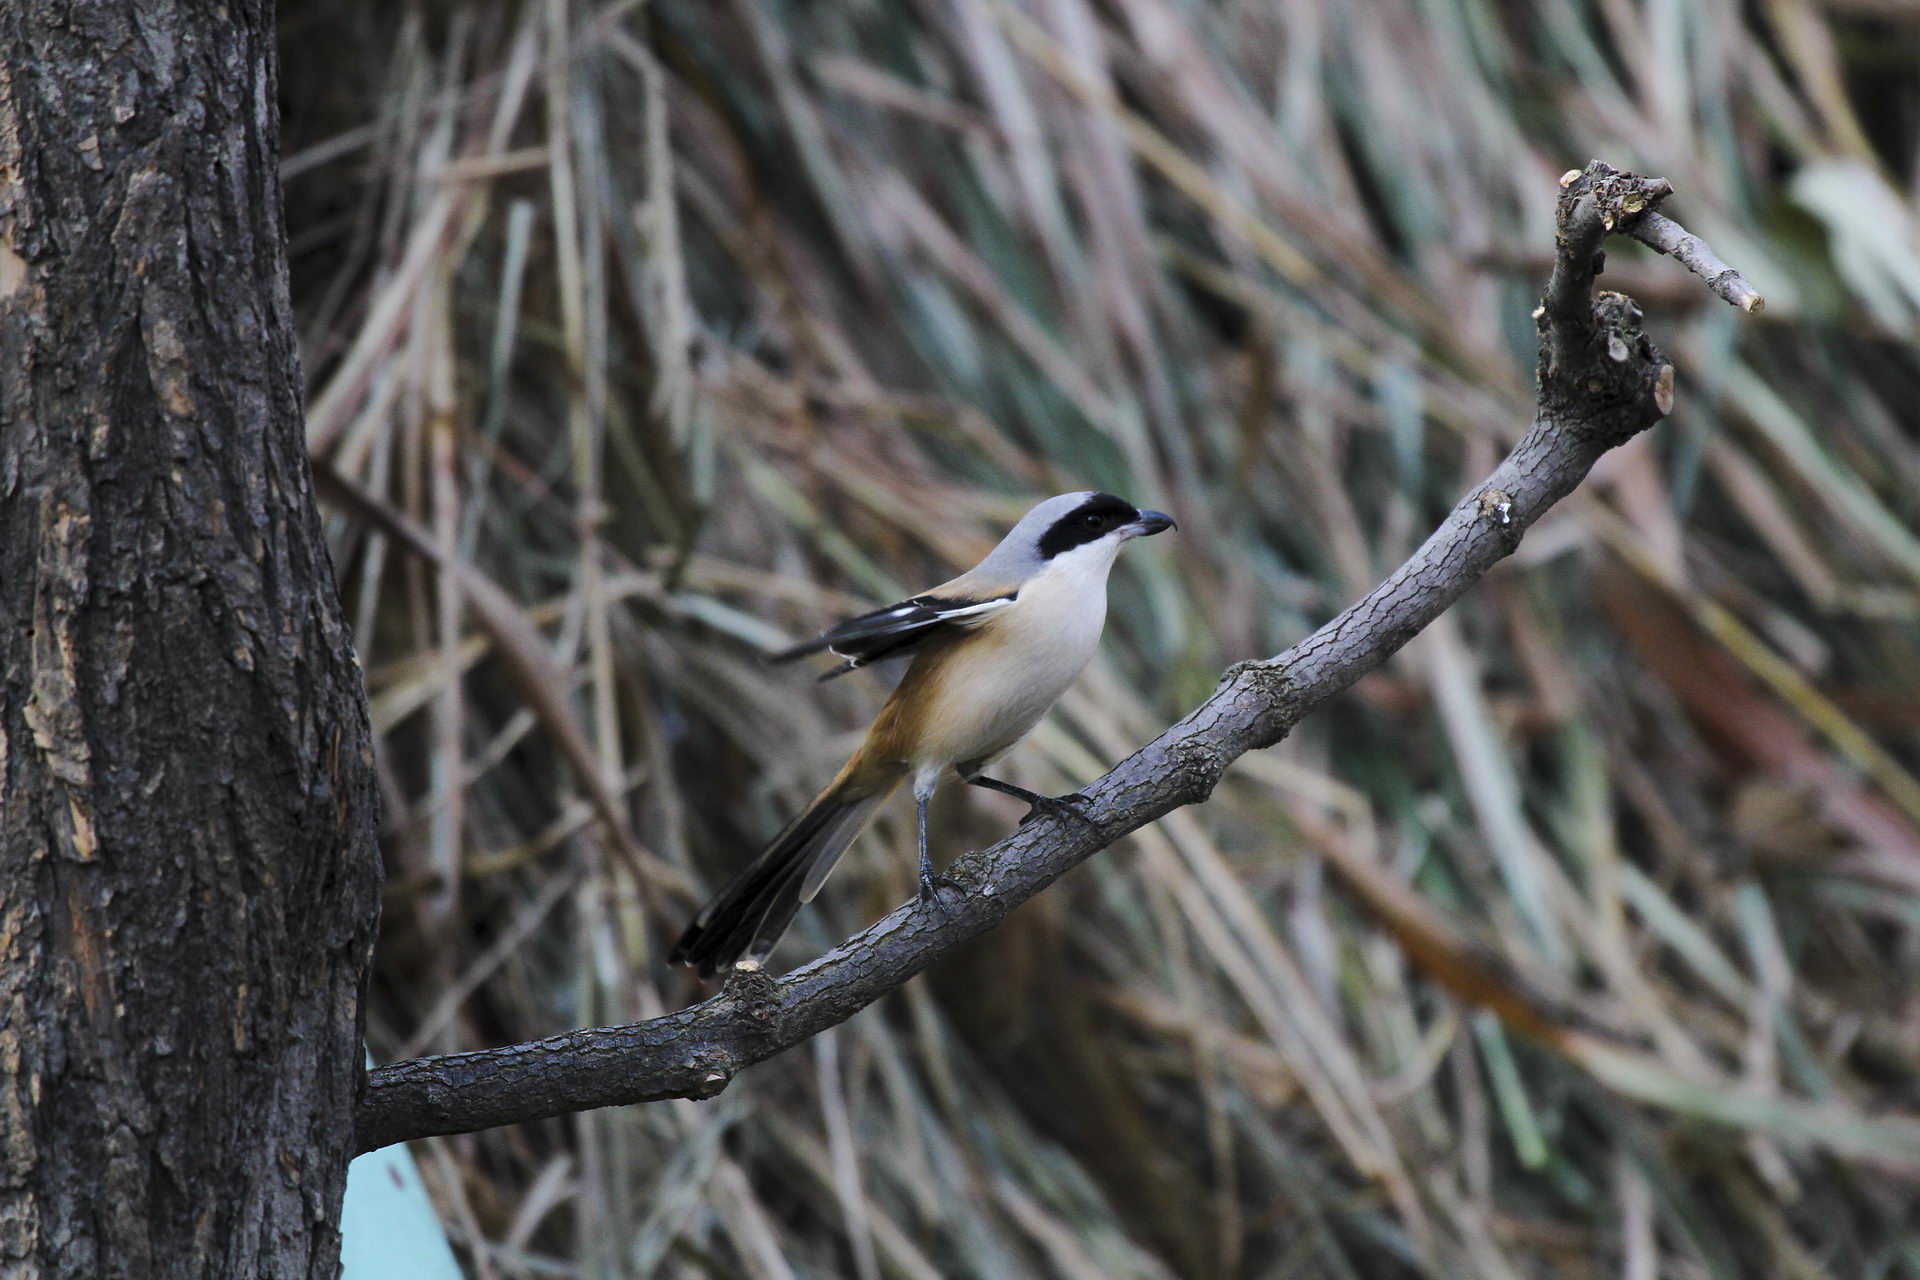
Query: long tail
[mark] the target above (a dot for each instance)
(744, 920)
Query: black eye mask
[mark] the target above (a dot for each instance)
(1088, 522)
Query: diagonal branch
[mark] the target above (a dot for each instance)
(1656, 230)
(1601, 382)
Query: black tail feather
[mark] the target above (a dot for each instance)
(747, 917)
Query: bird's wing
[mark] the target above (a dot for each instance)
(900, 629)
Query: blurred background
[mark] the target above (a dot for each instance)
(642, 337)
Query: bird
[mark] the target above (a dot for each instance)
(991, 651)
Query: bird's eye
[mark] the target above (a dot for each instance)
(1094, 520)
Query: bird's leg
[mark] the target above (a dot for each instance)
(930, 884)
(926, 859)
(1073, 805)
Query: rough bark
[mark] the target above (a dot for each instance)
(1602, 381)
(188, 873)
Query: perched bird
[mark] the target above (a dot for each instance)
(992, 650)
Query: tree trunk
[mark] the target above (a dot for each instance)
(188, 872)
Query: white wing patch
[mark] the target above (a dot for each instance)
(897, 630)
(974, 611)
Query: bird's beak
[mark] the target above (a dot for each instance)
(1152, 522)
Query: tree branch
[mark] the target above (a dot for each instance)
(1601, 382)
(1655, 230)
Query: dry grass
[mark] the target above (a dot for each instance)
(659, 332)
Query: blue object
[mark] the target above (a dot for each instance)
(388, 1229)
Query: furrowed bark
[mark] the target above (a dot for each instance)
(188, 871)
(1602, 381)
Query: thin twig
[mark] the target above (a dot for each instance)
(1657, 231)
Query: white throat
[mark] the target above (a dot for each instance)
(1085, 567)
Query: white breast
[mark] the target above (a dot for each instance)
(994, 692)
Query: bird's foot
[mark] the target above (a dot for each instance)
(1072, 805)
(931, 883)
